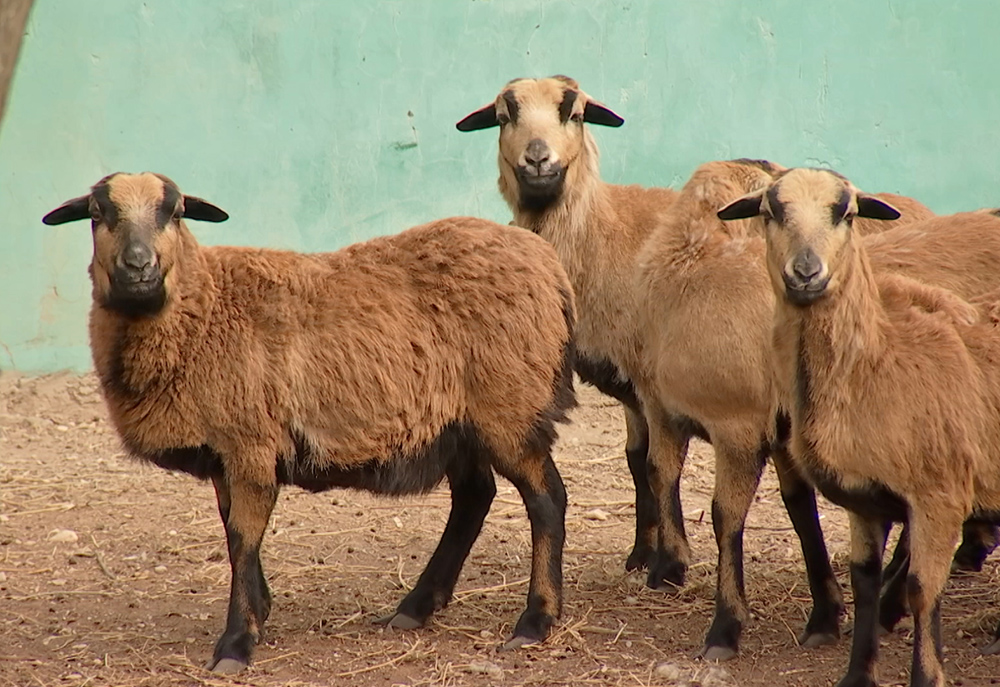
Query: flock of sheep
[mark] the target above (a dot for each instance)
(782, 313)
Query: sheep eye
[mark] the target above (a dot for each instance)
(577, 117)
(177, 215)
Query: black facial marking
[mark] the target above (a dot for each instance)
(512, 105)
(168, 204)
(101, 193)
(839, 209)
(566, 106)
(776, 206)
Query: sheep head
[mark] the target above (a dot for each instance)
(808, 216)
(138, 232)
(544, 145)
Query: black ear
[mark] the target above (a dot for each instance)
(70, 211)
(742, 208)
(596, 113)
(873, 208)
(196, 208)
(485, 118)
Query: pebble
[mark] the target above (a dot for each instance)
(67, 536)
(716, 677)
(160, 569)
(596, 514)
(486, 668)
(670, 671)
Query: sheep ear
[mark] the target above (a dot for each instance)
(70, 211)
(596, 113)
(196, 208)
(484, 118)
(742, 208)
(874, 208)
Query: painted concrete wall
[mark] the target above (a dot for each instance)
(316, 123)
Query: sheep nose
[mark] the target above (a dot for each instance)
(536, 153)
(138, 257)
(807, 265)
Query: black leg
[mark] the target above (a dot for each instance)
(246, 508)
(979, 539)
(636, 451)
(667, 451)
(537, 480)
(823, 626)
(472, 492)
(867, 546)
(737, 475)
(892, 605)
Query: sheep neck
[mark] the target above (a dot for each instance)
(596, 247)
(177, 334)
(835, 340)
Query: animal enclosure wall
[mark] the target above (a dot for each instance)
(316, 124)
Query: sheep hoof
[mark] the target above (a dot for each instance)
(717, 654)
(811, 640)
(638, 559)
(228, 666)
(517, 641)
(992, 649)
(399, 621)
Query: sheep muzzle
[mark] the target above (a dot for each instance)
(136, 282)
(806, 278)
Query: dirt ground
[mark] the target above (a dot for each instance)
(112, 573)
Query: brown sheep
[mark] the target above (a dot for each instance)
(893, 384)
(715, 370)
(442, 352)
(549, 177)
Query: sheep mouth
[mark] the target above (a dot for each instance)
(533, 179)
(805, 294)
(141, 298)
(540, 191)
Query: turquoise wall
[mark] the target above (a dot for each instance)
(316, 123)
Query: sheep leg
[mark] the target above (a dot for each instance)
(544, 496)
(636, 452)
(472, 492)
(979, 539)
(667, 451)
(934, 535)
(823, 626)
(892, 605)
(737, 474)
(867, 546)
(246, 509)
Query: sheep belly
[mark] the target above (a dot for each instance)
(416, 472)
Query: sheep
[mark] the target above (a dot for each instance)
(894, 388)
(716, 371)
(442, 352)
(549, 177)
